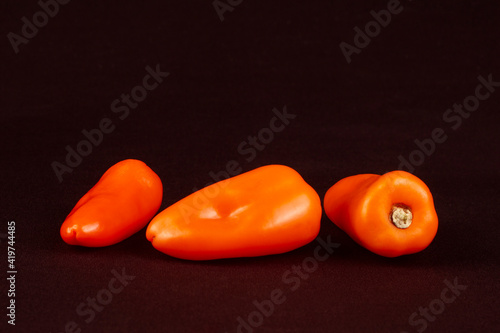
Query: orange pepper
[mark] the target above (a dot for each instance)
(390, 215)
(268, 210)
(121, 203)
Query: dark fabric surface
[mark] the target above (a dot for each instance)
(226, 77)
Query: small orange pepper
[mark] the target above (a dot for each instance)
(268, 210)
(390, 215)
(121, 203)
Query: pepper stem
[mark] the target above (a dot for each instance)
(401, 216)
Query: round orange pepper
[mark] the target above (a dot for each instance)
(268, 210)
(121, 203)
(390, 215)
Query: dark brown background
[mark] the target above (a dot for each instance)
(225, 79)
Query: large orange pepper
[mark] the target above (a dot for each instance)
(390, 215)
(268, 210)
(121, 203)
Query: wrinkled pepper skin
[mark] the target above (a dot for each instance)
(121, 203)
(268, 210)
(362, 206)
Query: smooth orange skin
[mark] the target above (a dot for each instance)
(360, 205)
(268, 210)
(121, 203)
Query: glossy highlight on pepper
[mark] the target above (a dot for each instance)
(268, 210)
(121, 203)
(390, 215)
